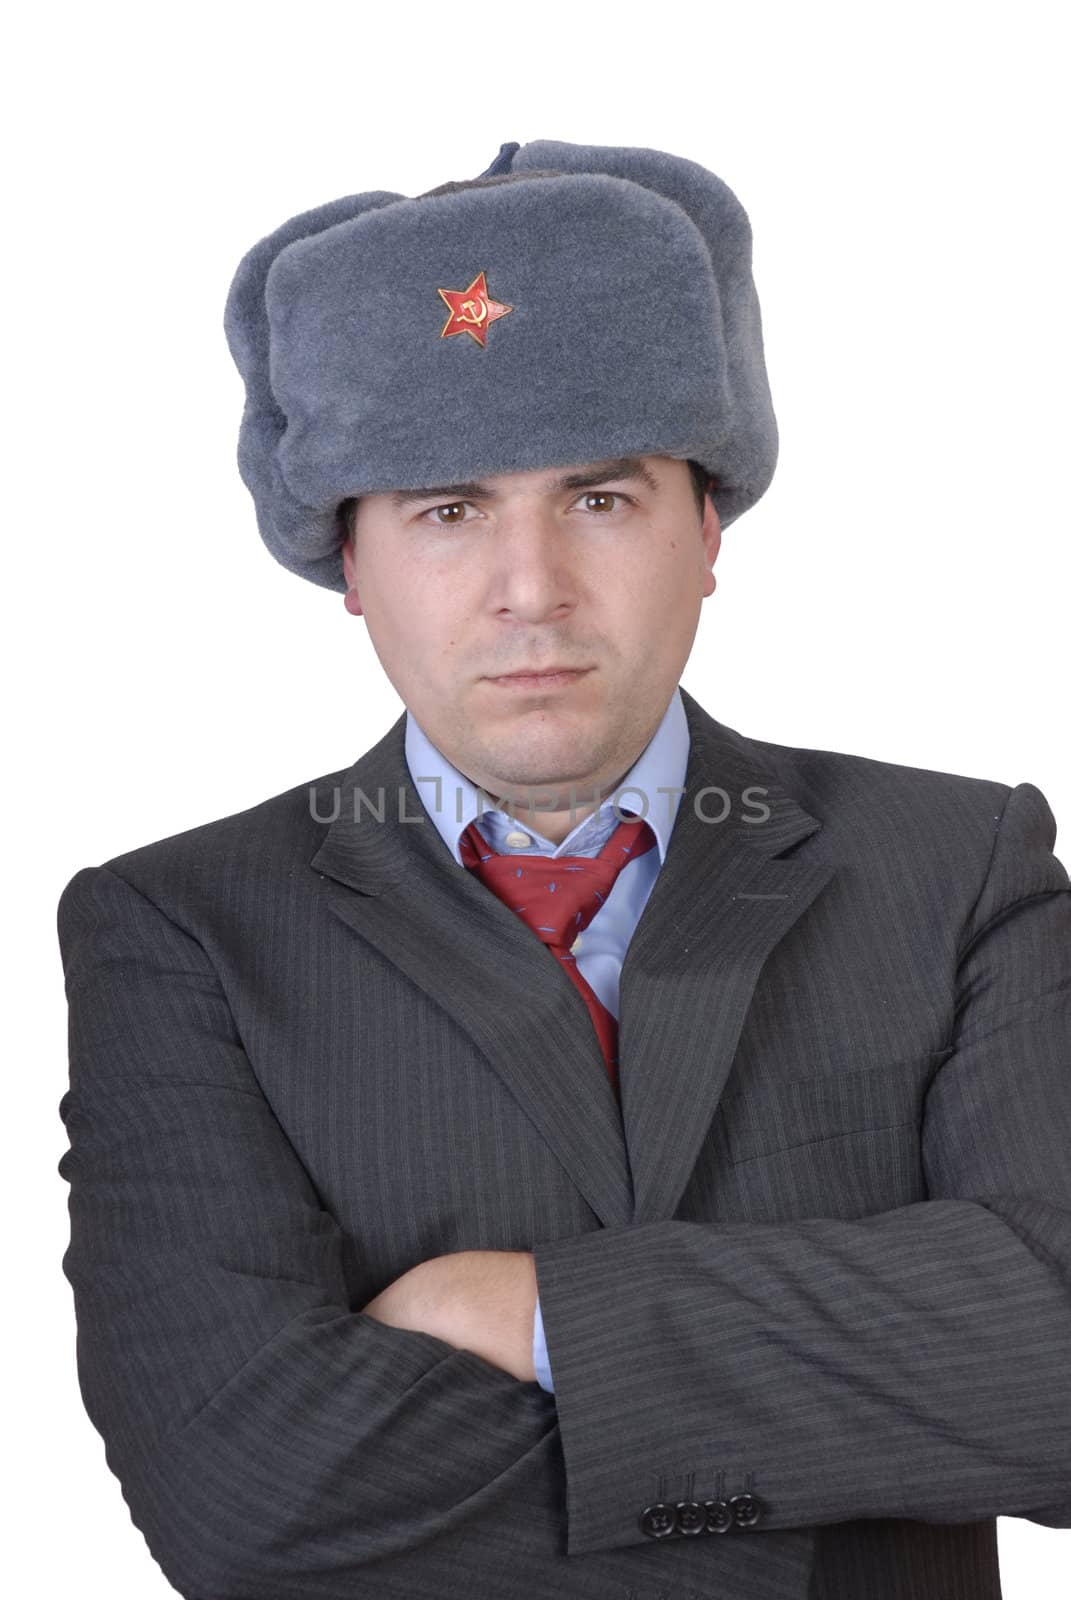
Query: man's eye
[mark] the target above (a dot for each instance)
(603, 494)
(451, 505)
(456, 505)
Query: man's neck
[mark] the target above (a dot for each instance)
(553, 825)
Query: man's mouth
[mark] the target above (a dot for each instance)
(546, 678)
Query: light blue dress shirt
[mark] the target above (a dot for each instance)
(651, 788)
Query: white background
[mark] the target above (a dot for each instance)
(900, 592)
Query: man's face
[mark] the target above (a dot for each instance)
(600, 569)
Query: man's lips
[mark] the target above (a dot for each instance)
(548, 677)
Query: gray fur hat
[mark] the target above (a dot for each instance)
(605, 310)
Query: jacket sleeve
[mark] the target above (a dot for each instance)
(268, 1439)
(912, 1363)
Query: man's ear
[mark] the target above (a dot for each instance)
(349, 568)
(349, 559)
(711, 534)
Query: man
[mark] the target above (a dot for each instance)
(578, 1149)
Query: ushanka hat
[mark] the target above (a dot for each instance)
(580, 303)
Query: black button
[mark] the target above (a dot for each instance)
(719, 1517)
(746, 1509)
(691, 1517)
(658, 1521)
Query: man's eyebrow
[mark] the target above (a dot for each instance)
(590, 478)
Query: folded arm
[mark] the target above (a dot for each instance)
(269, 1439)
(913, 1363)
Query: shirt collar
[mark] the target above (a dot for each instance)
(653, 784)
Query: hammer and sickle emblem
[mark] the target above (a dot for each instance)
(472, 310)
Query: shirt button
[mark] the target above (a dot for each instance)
(518, 839)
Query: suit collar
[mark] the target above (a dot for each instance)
(724, 896)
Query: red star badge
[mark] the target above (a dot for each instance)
(472, 310)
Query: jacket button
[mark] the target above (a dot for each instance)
(746, 1509)
(658, 1521)
(719, 1517)
(691, 1517)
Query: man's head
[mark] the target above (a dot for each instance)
(600, 567)
(607, 574)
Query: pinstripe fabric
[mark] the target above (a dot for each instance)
(874, 1561)
(653, 785)
(825, 1241)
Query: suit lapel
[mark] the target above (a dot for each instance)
(721, 901)
(719, 904)
(406, 896)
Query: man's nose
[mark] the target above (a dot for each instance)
(535, 574)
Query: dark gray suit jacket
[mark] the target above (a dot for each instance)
(821, 1256)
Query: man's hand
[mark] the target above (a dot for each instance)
(478, 1300)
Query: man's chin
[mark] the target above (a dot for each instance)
(563, 772)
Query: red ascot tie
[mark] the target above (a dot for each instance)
(557, 896)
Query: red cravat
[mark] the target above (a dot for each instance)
(557, 896)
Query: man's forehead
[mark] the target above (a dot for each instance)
(584, 475)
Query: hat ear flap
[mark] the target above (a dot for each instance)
(245, 323)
